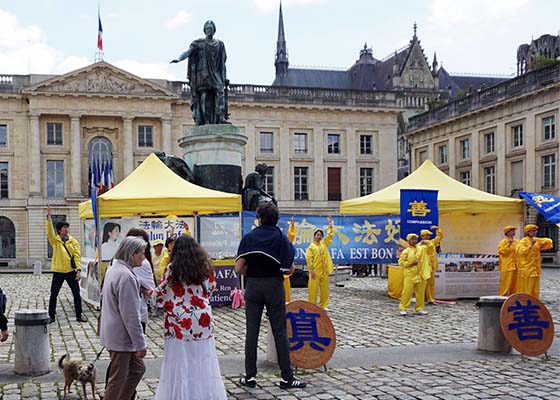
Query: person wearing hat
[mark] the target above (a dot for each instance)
(529, 260)
(66, 265)
(416, 270)
(431, 244)
(320, 265)
(157, 256)
(507, 257)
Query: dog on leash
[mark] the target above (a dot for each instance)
(78, 370)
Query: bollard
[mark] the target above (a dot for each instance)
(271, 355)
(490, 335)
(37, 267)
(31, 342)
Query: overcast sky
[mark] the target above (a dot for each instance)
(142, 36)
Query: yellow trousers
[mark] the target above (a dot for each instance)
(530, 286)
(287, 287)
(508, 283)
(320, 283)
(406, 297)
(431, 289)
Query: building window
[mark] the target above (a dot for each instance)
(442, 154)
(422, 156)
(100, 156)
(333, 144)
(3, 135)
(54, 133)
(267, 142)
(549, 128)
(517, 136)
(465, 177)
(55, 220)
(8, 238)
(269, 181)
(517, 173)
(465, 149)
(549, 171)
(489, 146)
(333, 184)
(300, 183)
(4, 180)
(365, 144)
(55, 179)
(300, 143)
(490, 179)
(145, 136)
(366, 181)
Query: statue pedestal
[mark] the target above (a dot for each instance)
(214, 152)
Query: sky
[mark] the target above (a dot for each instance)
(142, 36)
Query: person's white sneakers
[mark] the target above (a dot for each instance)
(402, 312)
(422, 312)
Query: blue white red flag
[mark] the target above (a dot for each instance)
(99, 34)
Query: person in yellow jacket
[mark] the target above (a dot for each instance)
(66, 265)
(529, 260)
(431, 245)
(291, 237)
(166, 259)
(320, 265)
(416, 267)
(507, 257)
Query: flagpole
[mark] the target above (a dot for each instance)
(99, 51)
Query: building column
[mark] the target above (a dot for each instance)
(34, 156)
(76, 157)
(128, 157)
(166, 140)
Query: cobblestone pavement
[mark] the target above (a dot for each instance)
(363, 316)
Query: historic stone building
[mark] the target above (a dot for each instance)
(539, 51)
(501, 140)
(326, 135)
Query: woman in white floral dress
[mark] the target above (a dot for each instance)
(190, 369)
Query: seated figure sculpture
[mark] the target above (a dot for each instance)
(254, 193)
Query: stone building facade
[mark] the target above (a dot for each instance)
(501, 140)
(321, 145)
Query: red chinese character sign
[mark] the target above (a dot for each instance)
(311, 335)
(527, 324)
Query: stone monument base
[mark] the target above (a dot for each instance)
(214, 152)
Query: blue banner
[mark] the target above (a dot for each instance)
(419, 210)
(548, 206)
(358, 239)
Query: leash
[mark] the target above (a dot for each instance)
(98, 355)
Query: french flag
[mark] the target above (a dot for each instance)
(100, 34)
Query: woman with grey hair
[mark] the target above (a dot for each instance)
(121, 331)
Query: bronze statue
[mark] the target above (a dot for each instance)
(177, 165)
(206, 75)
(253, 193)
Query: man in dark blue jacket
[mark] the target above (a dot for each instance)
(264, 255)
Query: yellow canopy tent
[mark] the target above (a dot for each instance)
(453, 196)
(153, 189)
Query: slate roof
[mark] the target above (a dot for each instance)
(455, 83)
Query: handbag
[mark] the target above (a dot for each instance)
(72, 261)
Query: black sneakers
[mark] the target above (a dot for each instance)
(81, 318)
(292, 383)
(249, 382)
(52, 320)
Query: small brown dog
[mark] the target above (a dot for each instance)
(78, 370)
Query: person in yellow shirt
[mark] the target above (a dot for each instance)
(66, 265)
(507, 257)
(529, 260)
(166, 259)
(431, 245)
(291, 237)
(416, 270)
(320, 265)
(157, 255)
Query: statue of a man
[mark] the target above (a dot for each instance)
(206, 75)
(254, 193)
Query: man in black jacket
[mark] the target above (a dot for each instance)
(264, 255)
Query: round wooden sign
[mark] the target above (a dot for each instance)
(311, 335)
(527, 325)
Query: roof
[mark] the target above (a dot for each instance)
(315, 78)
(453, 196)
(153, 189)
(456, 83)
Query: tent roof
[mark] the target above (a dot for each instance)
(153, 189)
(453, 196)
